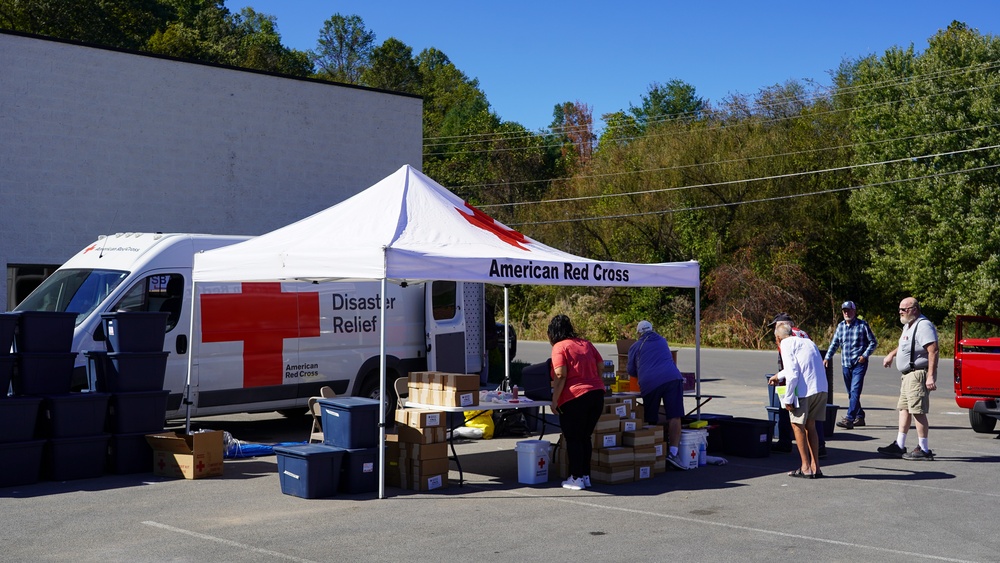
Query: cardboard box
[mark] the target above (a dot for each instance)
(661, 449)
(420, 418)
(414, 450)
(424, 468)
(623, 346)
(193, 456)
(606, 439)
(428, 483)
(608, 423)
(660, 466)
(612, 475)
(639, 412)
(629, 424)
(643, 472)
(657, 431)
(461, 382)
(640, 437)
(613, 457)
(444, 398)
(621, 409)
(415, 435)
(425, 380)
(644, 455)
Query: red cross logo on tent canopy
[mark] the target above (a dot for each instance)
(262, 317)
(487, 223)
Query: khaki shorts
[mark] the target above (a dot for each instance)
(812, 407)
(913, 394)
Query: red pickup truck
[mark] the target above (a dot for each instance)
(977, 370)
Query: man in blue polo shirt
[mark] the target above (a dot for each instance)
(650, 360)
(857, 342)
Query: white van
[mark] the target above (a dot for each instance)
(264, 346)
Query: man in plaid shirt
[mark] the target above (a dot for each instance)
(857, 343)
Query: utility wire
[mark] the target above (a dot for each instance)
(712, 163)
(761, 200)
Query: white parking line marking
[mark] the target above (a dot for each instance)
(750, 529)
(227, 542)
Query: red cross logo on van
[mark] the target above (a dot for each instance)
(261, 317)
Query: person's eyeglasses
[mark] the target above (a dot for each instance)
(904, 309)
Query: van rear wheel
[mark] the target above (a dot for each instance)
(370, 390)
(981, 423)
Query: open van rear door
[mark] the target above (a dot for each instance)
(453, 321)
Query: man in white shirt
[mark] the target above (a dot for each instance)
(805, 395)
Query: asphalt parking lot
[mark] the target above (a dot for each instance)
(868, 507)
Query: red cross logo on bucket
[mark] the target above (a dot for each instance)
(541, 463)
(261, 317)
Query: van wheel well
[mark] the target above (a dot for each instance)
(981, 423)
(370, 390)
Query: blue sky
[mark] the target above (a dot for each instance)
(530, 56)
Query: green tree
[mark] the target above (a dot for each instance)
(344, 49)
(925, 125)
(392, 67)
(125, 24)
(674, 100)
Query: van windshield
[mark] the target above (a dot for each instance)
(76, 291)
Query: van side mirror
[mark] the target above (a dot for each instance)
(99, 333)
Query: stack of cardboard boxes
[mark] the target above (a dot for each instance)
(444, 389)
(624, 449)
(417, 455)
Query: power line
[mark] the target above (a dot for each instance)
(704, 164)
(761, 200)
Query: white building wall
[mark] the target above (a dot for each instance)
(96, 141)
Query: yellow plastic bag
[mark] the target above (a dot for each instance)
(482, 420)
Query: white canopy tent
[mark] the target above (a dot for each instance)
(408, 228)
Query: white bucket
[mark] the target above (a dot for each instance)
(532, 461)
(690, 447)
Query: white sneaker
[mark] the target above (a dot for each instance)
(677, 462)
(573, 484)
(586, 481)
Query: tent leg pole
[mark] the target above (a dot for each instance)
(381, 394)
(697, 346)
(506, 338)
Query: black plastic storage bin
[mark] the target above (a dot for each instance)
(74, 414)
(127, 372)
(20, 463)
(80, 457)
(18, 418)
(141, 411)
(359, 471)
(8, 322)
(7, 364)
(43, 373)
(746, 437)
(134, 331)
(129, 453)
(309, 470)
(350, 422)
(44, 332)
(714, 428)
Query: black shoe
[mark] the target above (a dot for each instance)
(892, 450)
(846, 423)
(860, 421)
(779, 447)
(919, 455)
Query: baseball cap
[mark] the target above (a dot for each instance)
(644, 327)
(848, 305)
(779, 318)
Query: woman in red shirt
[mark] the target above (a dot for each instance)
(577, 395)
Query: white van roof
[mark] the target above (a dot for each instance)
(130, 251)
